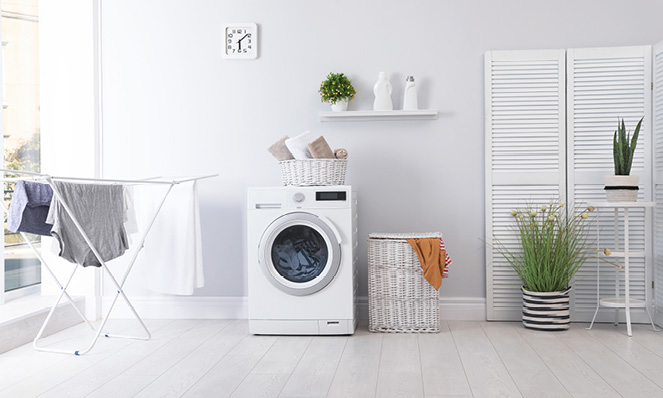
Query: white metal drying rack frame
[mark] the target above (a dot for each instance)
(63, 288)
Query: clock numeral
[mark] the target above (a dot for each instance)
(244, 50)
(229, 46)
(230, 35)
(249, 34)
(229, 41)
(234, 31)
(249, 41)
(234, 50)
(249, 46)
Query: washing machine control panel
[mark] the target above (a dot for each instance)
(298, 197)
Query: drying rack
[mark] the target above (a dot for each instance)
(32, 176)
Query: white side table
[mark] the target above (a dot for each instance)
(626, 301)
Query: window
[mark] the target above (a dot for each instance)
(20, 125)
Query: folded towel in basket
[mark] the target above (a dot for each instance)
(280, 151)
(299, 145)
(432, 259)
(320, 149)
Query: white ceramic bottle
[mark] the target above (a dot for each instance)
(410, 95)
(382, 91)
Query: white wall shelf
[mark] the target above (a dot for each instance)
(367, 116)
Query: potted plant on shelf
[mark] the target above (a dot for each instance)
(337, 89)
(551, 247)
(623, 187)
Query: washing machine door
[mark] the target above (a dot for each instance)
(300, 253)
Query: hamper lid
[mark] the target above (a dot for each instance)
(406, 235)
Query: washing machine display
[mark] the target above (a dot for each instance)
(299, 253)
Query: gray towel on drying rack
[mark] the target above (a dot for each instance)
(29, 208)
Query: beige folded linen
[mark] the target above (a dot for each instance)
(280, 151)
(341, 153)
(320, 149)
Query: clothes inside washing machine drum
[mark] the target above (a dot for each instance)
(299, 253)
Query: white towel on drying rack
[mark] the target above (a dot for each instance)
(171, 261)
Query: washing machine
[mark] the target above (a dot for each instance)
(302, 260)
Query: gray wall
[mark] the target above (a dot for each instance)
(173, 105)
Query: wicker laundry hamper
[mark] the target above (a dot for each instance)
(400, 300)
(313, 172)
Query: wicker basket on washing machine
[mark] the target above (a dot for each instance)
(400, 300)
(313, 172)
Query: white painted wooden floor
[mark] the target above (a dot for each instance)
(218, 358)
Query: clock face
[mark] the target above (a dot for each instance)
(241, 41)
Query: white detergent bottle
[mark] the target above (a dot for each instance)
(410, 95)
(382, 91)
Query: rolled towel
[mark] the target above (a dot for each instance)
(341, 153)
(280, 151)
(320, 149)
(298, 145)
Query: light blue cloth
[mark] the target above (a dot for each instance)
(29, 208)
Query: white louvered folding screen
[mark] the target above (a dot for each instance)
(525, 160)
(657, 116)
(603, 85)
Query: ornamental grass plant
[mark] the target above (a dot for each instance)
(552, 245)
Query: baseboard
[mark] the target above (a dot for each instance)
(192, 307)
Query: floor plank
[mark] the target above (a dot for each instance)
(315, 371)
(101, 373)
(219, 358)
(228, 373)
(572, 371)
(160, 358)
(357, 372)
(179, 378)
(485, 371)
(441, 367)
(623, 378)
(49, 378)
(528, 371)
(400, 368)
(630, 350)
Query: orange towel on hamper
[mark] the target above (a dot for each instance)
(432, 259)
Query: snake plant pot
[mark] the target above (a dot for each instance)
(546, 310)
(621, 188)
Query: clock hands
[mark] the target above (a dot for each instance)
(240, 41)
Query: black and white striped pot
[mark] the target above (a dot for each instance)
(546, 310)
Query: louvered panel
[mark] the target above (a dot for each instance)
(595, 112)
(658, 254)
(506, 284)
(657, 116)
(603, 86)
(525, 116)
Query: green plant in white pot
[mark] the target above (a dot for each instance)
(552, 246)
(623, 187)
(338, 90)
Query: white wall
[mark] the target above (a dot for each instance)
(173, 105)
(68, 119)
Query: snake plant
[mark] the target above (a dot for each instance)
(622, 150)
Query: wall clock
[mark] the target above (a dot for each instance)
(240, 41)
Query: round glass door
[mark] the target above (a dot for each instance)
(299, 253)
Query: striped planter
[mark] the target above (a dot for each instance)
(546, 310)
